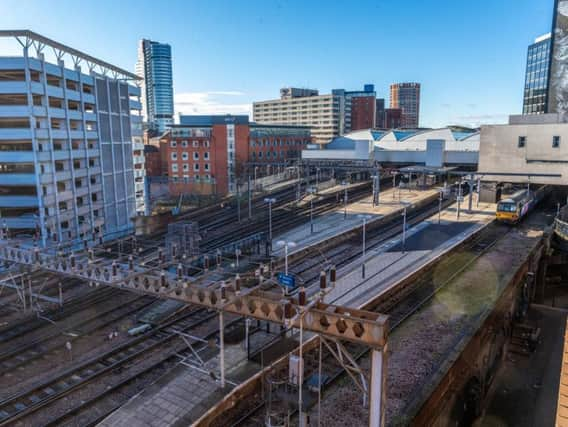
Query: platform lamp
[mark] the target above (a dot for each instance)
(406, 205)
(364, 218)
(345, 184)
(286, 245)
(312, 191)
(270, 201)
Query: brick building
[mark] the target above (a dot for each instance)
(406, 96)
(153, 160)
(206, 154)
(363, 112)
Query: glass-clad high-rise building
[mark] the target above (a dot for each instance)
(535, 100)
(155, 67)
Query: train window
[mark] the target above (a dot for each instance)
(522, 141)
(506, 207)
(555, 141)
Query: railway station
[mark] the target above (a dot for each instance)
(390, 277)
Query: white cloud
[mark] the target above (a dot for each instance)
(212, 102)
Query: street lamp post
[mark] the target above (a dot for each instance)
(270, 201)
(439, 207)
(404, 229)
(364, 218)
(312, 191)
(459, 198)
(249, 199)
(344, 183)
(286, 244)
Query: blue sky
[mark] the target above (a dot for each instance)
(468, 55)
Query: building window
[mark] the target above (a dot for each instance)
(555, 141)
(206, 166)
(184, 156)
(206, 143)
(230, 132)
(206, 155)
(195, 156)
(260, 154)
(196, 177)
(174, 167)
(207, 177)
(195, 144)
(522, 141)
(196, 166)
(185, 167)
(173, 144)
(184, 144)
(174, 156)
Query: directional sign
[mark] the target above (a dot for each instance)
(287, 280)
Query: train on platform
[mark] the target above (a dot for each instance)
(514, 208)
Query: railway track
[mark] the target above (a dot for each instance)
(74, 306)
(92, 411)
(284, 218)
(56, 337)
(309, 268)
(26, 403)
(402, 305)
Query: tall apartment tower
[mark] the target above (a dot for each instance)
(535, 99)
(406, 96)
(154, 66)
(68, 140)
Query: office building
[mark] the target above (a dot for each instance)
(535, 100)
(406, 96)
(360, 108)
(393, 118)
(380, 113)
(327, 115)
(154, 66)
(324, 114)
(207, 154)
(68, 140)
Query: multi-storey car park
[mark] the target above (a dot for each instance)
(72, 161)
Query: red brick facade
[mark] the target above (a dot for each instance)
(363, 112)
(152, 160)
(196, 158)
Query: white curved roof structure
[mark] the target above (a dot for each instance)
(445, 146)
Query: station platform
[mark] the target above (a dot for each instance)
(389, 263)
(335, 222)
(185, 393)
(425, 346)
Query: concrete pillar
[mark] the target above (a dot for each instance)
(377, 389)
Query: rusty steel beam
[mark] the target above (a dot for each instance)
(358, 326)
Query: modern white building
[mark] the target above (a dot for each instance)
(434, 147)
(71, 152)
(535, 144)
